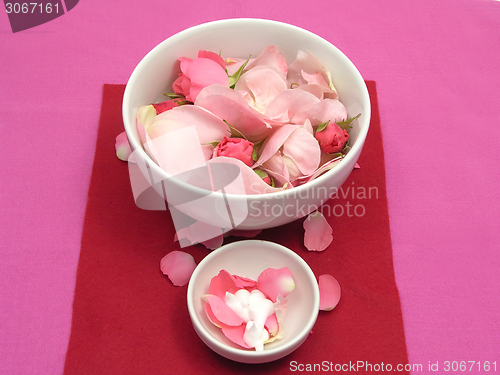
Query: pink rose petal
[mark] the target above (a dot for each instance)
(318, 233)
(274, 282)
(212, 56)
(272, 144)
(326, 110)
(270, 57)
(235, 334)
(204, 72)
(329, 292)
(303, 149)
(357, 166)
(178, 266)
(222, 311)
(289, 103)
(122, 147)
(272, 325)
(222, 283)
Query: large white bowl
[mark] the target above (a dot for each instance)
(249, 258)
(155, 74)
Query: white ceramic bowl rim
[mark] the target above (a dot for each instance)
(135, 144)
(246, 352)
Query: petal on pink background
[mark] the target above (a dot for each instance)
(222, 311)
(318, 233)
(235, 334)
(274, 282)
(329, 292)
(303, 149)
(178, 266)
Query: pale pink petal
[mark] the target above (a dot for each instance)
(326, 110)
(230, 106)
(200, 232)
(290, 105)
(253, 183)
(212, 56)
(272, 324)
(270, 57)
(122, 147)
(145, 117)
(276, 167)
(272, 144)
(233, 64)
(178, 266)
(209, 127)
(318, 233)
(324, 168)
(315, 78)
(294, 172)
(274, 282)
(307, 126)
(310, 64)
(314, 89)
(304, 150)
(222, 311)
(263, 84)
(329, 292)
(235, 334)
(213, 243)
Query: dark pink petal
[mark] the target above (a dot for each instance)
(222, 311)
(235, 334)
(212, 56)
(329, 292)
(211, 316)
(205, 72)
(122, 147)
(222, 283)
(274, 282)
(357, 166)
(318, 233)
(244, 282)
(178, 266)
(165, 106)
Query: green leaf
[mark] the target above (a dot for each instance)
(322, 126)
(255, 156)
(236, 76)
(234, 132)
(213, 144)
(174, 96)
(347, 123)
(262, 174)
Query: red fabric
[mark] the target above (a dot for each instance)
(129, 319)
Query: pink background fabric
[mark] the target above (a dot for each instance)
(436, 68)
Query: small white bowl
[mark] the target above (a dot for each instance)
(156, 72)
(249, 258)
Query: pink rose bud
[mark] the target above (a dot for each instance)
(332, 138)
(238, 148)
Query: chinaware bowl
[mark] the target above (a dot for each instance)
(155, 73)
(248, 259)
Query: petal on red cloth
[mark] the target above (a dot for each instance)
(178, 266)
(329, 292)
(318, 233)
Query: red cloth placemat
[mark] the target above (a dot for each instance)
(129, 319)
